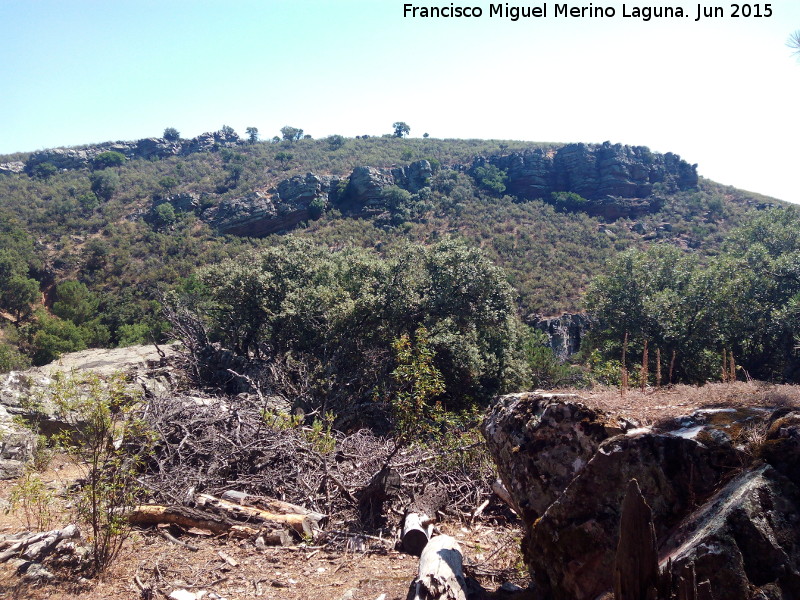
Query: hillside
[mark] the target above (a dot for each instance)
(351, 317)
(127, 218)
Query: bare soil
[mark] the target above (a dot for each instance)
(338, 565)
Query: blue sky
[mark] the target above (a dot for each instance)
(720, 92)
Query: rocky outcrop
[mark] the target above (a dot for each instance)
(414, 177)
(210, 141)
(565, 332)
(147, 148)
(617, 180)
(24, 395)
(261, 212)
(17, 446)
(15, 166)
(540, 442)
(567, 467)
(186, 203)
(365, 187)
(743, 540)
(284, 206)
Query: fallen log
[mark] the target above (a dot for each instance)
(220, 517)
(440, 575)
(417, 531)
(301, 523)
(35, 547)
(155, 514)
(272, 505)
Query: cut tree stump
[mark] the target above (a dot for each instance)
(502, 492)
(440, 575)
(417, 531)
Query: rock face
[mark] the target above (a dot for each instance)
(565, 332)
(744, 537)
(567, 468)
(282, 207)
(187, 203)
(366, 186)
(414, 177)
(15, 166)
(617, 180)
(261, 213)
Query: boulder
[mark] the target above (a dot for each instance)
(251, 215)
(17, 446)
(365, 189)
(781, 447)
(210, 141)
(745, 539)
(414, 177)
(570, 549)
(186, 202)
(24, 394)
(151, 148)
(541, 441)
(15, 166)
(734, 522)
(63, 158)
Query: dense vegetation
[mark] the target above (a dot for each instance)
(86, 255)
(740, 307)
(339, 327)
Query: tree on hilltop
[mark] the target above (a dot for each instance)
(252, 134)
(171, 134)
(291, 134)
(401, 129)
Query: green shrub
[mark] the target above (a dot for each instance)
(11, 359)
(109, 443)
(44, 170)
(53, 337)
(417, 384)
(316, 208)
(491, 178)
(105, 160)
(75, 302)
(33, 501)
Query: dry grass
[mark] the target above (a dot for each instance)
(655, 406)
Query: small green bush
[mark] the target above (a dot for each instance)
(109, 442)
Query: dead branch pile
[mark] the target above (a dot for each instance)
(222, 444)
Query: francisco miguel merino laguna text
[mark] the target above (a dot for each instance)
(514, 13)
